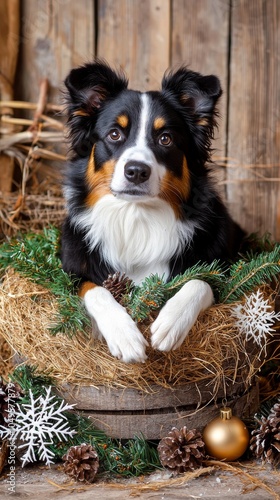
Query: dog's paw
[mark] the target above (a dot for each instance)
(126, 342)
(179, 314)
(123, 338)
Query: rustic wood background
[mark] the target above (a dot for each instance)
(236, 39)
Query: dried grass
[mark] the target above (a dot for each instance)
(37, 145)
(214, 352)
(36, 212)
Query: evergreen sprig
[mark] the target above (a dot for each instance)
(148, 297)
(36, 256)
(244, 275)
(154, 292)
(28, 378)
(134, 458)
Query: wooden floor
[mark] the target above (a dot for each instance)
(49, 484)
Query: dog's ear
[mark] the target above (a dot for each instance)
(196, 97)
(88, 87)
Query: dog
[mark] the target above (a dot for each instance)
(140, 199)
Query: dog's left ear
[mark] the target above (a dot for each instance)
(197, 93)
(196, 96)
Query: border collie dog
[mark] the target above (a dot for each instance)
(140, 200)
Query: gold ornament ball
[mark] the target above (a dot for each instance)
(226, 437)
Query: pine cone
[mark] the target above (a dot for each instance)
(81, 463)
(118, 284)
(265, 441)
(9, 393)
(181, 450)
(274, 415)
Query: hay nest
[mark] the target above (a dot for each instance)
(214, 352)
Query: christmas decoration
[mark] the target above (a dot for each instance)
(118, 284)
(181, 450)
(9, 394)
(255, 318)
(134, 458)
(265, 440)
(81, 462)
(37, 424)
(226, 437)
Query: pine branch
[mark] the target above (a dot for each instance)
(245, 276)
(134, 458)
(143, 299)
(154, 293)
(213, 274)
(28, 378)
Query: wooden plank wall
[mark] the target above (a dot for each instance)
(236, 39)
(254, 115)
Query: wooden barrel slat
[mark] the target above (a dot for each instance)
(122, 414)
(109, 398)
(157, 425)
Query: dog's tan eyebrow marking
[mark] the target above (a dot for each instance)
(122, 121)
(184, 98)
(203, 122)
(159, 123)
(80, 112)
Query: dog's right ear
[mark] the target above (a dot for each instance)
(89, 85)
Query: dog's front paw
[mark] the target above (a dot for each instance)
(179, 314)
(125, 341)
(123, 338)
(168, 330)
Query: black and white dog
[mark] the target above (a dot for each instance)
(139, 198)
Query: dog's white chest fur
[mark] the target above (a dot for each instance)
(137, 239)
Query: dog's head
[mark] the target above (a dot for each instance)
(136, 145)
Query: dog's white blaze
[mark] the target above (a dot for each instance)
(140, 151)
(141, 141)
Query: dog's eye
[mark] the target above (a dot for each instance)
(165, 140)
(115, 135)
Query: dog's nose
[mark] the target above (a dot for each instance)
(137, 172)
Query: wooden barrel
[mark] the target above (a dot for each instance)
(124, 413)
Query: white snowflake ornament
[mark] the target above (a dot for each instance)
(255, 318)
(36, 424)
